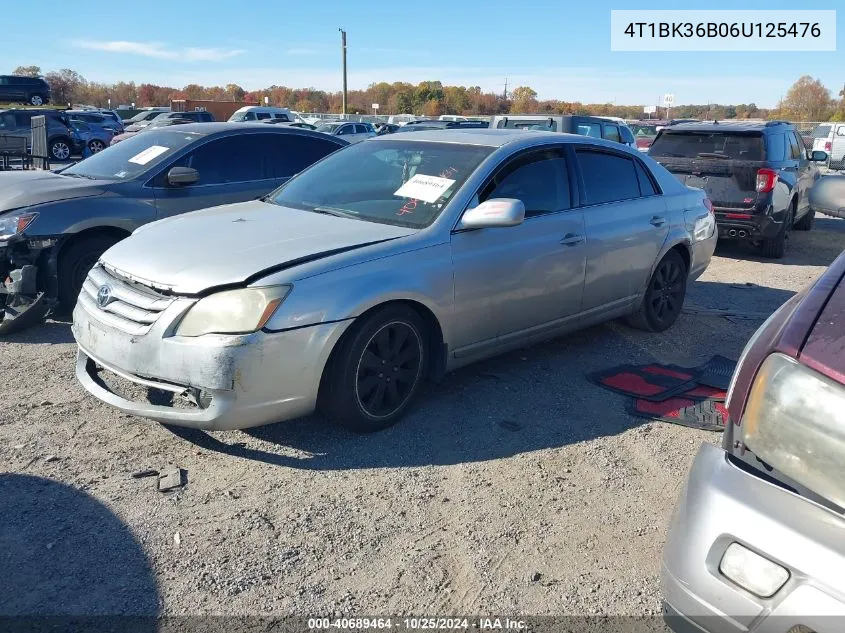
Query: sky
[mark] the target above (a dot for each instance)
(560, 49)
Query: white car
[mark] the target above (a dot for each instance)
(830, 138)
(349, 131)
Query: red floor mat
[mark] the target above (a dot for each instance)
(648, 382)
(707, 415)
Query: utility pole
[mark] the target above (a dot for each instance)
(506, 88)
(343, 52)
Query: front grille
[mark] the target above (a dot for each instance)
(132, 307)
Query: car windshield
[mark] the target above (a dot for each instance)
(736, 145)
(528, 124)
(822, 131)
(132, 157)
(239, 117)
(644, 130)
(404, 183)
(328, 127)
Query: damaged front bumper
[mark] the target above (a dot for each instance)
(211, 382)
(27, 284)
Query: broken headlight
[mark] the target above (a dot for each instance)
(15, 223)
(232, 311)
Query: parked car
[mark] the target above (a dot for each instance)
(16, 89)
(757, 174)
(96, 138)
(260, 113)
(755, 542)
(304, 126)
(55, 225)
(830, 138)
(62, 141)
(386, 128)
(403, 257)
(828, 196)
(596, 127)
(644, 135)
(95, 118)
(197, 116)
(159, 123)
(434, 124)
(352, 132)
(145, 115)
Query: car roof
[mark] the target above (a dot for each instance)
(217, 127)
(491, 137)
(725, 126)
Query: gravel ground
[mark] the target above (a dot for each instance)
(514, 487)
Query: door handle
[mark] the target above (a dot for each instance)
(571, 239)
(657, 221)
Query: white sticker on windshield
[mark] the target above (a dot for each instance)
(425, 188)
(148, 154)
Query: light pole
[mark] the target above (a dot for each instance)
(343, 53)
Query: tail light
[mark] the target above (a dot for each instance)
(766, 179)
(827, 146)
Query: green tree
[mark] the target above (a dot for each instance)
(524, 99)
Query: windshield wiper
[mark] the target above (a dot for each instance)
(74, 175)
(341, 213)
(712, 155)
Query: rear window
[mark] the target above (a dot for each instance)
(728, 145)
(822, 131)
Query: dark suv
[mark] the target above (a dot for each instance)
(757, 174)
(32, 90)
(62, 140)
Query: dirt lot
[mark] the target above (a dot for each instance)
(514, 487)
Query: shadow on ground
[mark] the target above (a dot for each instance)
(65, 556)
(519, 402)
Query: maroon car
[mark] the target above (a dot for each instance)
(757, 541)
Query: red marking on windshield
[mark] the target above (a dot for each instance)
(408, 207)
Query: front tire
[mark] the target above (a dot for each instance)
(664, 296)
(96, 145)
(376, 370)
(76, 261)
(36, 100)
(60, 149)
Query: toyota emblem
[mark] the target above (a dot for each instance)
(104, 295)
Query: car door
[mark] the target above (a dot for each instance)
(347, 132)
(510, 281)
(626, 225)
(16, 89)
(234, 168)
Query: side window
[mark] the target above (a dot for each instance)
(840, 131)
(799, 147)
(250, 116)
(281, 116)
(611, 133)
(589, 129)
(4, 81)
(539, 179)
(777, 147)
(627, 135)
(289, 154)
(646, 185)
(345, 129)
(361, 129)
(794, 147)
(238, 158)
(608, 177)
(262, 115)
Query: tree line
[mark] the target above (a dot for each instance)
(807, 100)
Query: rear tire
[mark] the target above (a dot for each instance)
(76, 261)
(96, 145)
(806, 223)
(60, 149)
(36, 100)
(776, 247)
(664, 296)
(376, 370)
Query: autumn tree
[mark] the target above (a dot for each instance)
(807, 100)
(27, 71)
(524, 99)
(235, 92)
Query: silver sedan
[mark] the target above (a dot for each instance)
(393, 260)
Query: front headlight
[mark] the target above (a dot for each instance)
(794, 420)
(15, 223)
(232, 311)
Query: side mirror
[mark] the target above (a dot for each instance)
(818, 156)
(497, 212)
(180, 176)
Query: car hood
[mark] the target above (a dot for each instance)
(825, 346)
(230, 244)
(28, 188)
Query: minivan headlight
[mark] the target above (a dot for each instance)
(794, 420)
(232, 311)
